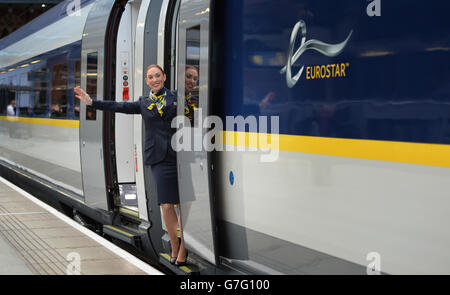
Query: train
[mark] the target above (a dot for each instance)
(321, 145)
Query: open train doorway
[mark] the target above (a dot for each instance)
(125, 143)
(107, 143)
(170, 35)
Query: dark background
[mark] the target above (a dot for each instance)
(16, 13)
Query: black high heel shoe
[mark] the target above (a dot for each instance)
(173, 260)
(182, 263)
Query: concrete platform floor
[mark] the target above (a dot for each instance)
(34, 241)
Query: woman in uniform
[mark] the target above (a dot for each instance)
(191, 97)
(157, 110)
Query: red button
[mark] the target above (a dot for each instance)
(125, 84)
(126, 95)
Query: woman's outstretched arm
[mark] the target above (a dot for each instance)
(112, 106)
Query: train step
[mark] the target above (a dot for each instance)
(188, 269)
(130, 212)
(121, 233)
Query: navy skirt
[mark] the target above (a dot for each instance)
(165, 177)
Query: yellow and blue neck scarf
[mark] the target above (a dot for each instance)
(190, 105)
(158, 100)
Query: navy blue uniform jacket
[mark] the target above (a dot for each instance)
(158, 132)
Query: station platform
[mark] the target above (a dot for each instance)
(36, 239)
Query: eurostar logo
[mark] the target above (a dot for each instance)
(330, 50)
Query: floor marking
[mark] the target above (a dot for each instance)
(110, 246)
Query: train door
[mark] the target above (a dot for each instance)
(97, 128)
(91, 128)
(194, 165)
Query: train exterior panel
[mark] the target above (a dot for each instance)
(353, 97)
(43, 136)
(362, 166)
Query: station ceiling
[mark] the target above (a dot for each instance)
(16, 13)
(40, 2)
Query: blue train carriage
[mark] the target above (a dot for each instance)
(329, 120)
(361, 89)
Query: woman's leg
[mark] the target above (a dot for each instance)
(171, 220)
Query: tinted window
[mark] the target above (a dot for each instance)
(192, 73)
(77, 83)
(39, 81)
(59, 91)
(3, 96)
(91, 80)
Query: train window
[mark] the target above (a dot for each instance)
(12, 89)
(77, 83)
(3, 96)
(24, 96)
(59, 91)
(91, 79)
(39, 83)
(192, 73)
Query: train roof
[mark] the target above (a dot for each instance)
(49, 17)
